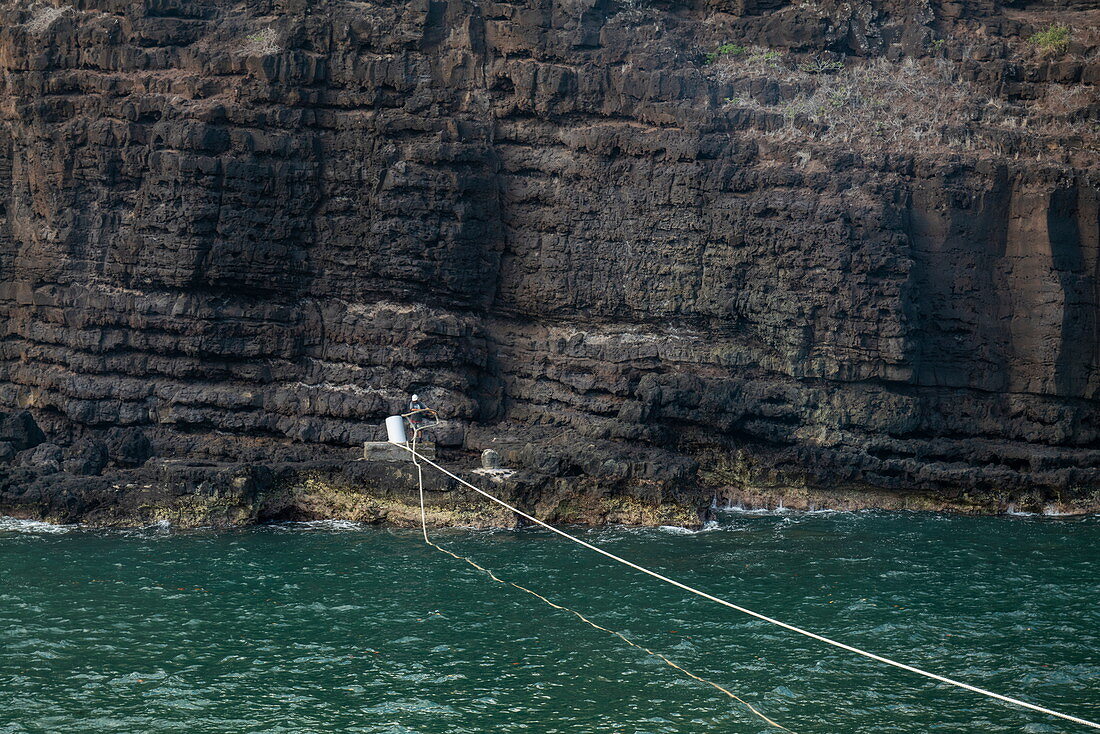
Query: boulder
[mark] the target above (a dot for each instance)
(46, 458)
(86, 457)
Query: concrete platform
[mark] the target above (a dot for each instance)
(386, 451)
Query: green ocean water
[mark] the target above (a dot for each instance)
(342, 628)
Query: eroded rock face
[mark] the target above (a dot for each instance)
(245, 232)
(20, 431)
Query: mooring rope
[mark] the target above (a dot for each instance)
(743, 610)
(578, 615)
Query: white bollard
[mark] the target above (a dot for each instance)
(395, 429)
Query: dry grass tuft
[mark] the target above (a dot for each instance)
(42, 18)
(899, 102)
(264, 43)
(886, 105)
(731, 61)
(1069, 101)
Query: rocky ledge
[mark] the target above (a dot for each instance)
(116, 482)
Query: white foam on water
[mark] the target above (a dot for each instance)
(15, 525)
(742, 510)
(708, 526)
(160, 527)
(320, 525)
(782, 511)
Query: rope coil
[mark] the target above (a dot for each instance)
(723, 602)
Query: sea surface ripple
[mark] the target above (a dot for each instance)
(324, 627)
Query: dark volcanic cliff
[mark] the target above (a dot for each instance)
(656, 253)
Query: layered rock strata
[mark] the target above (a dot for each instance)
(661, 256)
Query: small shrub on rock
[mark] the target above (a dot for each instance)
(766, 57)
(726, 49)
(741, 61)
(821, 66)
(1052, 40)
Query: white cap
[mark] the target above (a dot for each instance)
(416, 397)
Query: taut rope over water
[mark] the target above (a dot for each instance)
(731, 605)
(586, 620)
